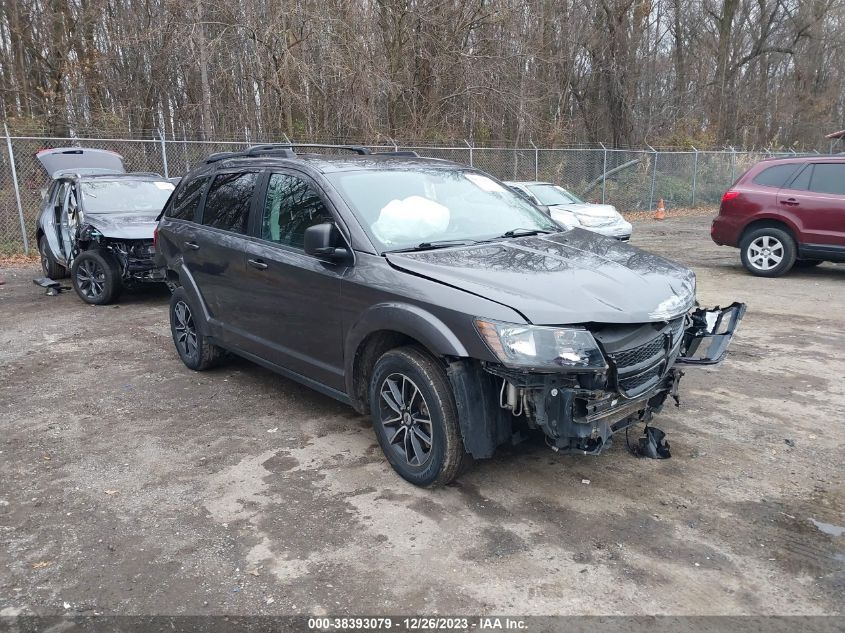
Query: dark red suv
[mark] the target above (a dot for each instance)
(784, 212)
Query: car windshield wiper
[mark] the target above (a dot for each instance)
(428, 246)
(522, 233)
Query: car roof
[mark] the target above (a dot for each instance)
(803, 158)
(83, 177)
(326, 163)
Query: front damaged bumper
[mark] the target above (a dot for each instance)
(579, 413)
(710, 332)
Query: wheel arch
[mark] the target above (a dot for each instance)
(772, 223)
(387, 326)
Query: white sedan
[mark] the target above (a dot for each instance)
(570, 211)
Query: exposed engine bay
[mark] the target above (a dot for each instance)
(580, 411)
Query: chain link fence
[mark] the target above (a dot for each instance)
(630, 179)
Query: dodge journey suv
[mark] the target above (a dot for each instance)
(453, 311)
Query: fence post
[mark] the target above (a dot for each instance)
(17, 189)
(536, 161)
(603, 172)
(733, 165)
(163, 153)
(653, 178)
(471, 164)
(694, 174)
(185, 149)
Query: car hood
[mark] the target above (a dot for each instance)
(80, 160)
(123, 226)
(566, 278)
(598, 210)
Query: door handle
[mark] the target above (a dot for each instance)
(257, 263)
(192, 245)
(791, 202)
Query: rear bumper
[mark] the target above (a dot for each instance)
(725, 230)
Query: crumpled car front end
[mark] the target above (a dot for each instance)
(580, 385)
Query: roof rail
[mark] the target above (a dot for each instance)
(286, 150)
(218, 156)
(402, 152)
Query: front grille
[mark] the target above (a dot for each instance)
(637, 355)
(640, 355)
(638, 383)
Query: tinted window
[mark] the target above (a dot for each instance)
(776, 175)
(828, 178)
(291, 207)
(802, 180)
(187, 199)
(227, 202)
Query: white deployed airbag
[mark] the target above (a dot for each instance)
(413, 219)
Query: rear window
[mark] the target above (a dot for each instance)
(228, 200)
(187, 199)
(776, 175)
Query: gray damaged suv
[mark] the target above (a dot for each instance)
(96, 222)
(429, 295)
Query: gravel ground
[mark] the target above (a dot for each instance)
(131, 485)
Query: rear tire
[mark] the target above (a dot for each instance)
(194, 348)
(49, 266)
(768, 252)
(415, 418)
(96, 278)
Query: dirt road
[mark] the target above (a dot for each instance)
(131, 485)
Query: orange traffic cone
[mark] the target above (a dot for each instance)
(660, 214)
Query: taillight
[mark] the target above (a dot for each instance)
(155, 236)
(730, 195)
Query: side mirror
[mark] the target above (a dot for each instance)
(320, 241)
(545, 209)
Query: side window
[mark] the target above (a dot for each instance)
(228, 200)
(187, 199)
(802, 180)
(292, 206)
(828, 178)
(776, 175)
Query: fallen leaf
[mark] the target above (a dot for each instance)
(253, 572)
(42, 564)
(111, 492)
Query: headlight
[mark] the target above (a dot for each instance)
(536, 347)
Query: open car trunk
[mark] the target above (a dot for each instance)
(80, 161)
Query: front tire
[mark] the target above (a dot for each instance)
(193, 347)
(415, 417)
(96, 278)
(49, 266)
(768, 252)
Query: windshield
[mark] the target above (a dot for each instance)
(402, 208)
(551, 195)
(125, 196)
